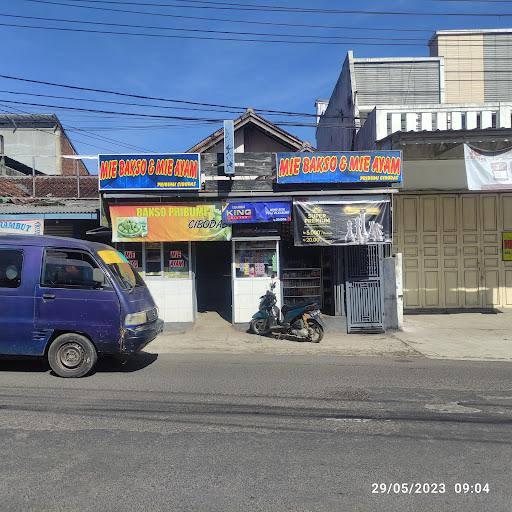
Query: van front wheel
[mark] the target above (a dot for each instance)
(72, 355)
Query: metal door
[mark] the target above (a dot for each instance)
(364, 290)
(452, 249)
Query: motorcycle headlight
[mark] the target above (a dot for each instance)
(134, 319)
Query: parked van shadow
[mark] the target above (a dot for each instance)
(35, 364)
(136, 362)
(106, 364)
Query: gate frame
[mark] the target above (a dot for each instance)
(364, 276)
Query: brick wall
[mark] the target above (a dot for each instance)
(69, 165)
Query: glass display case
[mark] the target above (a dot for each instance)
(256, 258)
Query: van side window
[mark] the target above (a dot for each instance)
(11, 262)
(68, 269)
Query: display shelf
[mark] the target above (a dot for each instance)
(303, 277)
(299, 296)
(308, 286)
(300, 284)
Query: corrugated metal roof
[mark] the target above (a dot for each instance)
(29, 120)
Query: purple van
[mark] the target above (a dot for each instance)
(71, 301)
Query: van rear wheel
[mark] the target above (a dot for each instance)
(72, 355)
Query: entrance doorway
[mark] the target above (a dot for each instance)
(213, 278)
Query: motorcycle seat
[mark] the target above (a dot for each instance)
(288, 307)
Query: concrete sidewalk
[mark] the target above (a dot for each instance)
(470, 336)
(211, 333)
(465, 336)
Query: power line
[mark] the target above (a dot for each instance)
(224, 32)
(143, 97)
(124, 103)
(205, 38)
(246, 40)
(11, 110)
(114, 142)
(99, 111)
(301, 10)
(149, 116)
(230, 20)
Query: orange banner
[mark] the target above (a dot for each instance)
(200, 222)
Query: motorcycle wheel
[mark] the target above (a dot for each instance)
(258, 326)
(316, 331)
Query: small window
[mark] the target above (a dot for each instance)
(68, 269)
(132, 251)
(11, 263)
(176, 260)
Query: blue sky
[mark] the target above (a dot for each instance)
(272, 76)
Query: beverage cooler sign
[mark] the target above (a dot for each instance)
(248, 212)
(198, 222)
(343, 221)
(337, 167)
(150, 172)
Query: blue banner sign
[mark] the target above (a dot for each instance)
(339, 167)
(168, 171)
(245, 212)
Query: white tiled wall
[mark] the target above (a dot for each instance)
(174, 298)
(246, 296)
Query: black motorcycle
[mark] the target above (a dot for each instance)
(302, 320)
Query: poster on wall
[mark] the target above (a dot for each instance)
(183, 222)
(339, 167)
(169, 171)
(342, 221)
(22, 227)
(506, 251)
(243, 212)
(488, 170)
(176, 260)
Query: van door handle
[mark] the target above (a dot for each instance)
(48, 296)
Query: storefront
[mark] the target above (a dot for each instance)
(200, 251)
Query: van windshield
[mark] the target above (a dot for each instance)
(123, 272)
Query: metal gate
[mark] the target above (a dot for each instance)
(364, 289)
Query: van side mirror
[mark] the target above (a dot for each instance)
(98, 276)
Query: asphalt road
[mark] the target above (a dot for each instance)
(213, 432)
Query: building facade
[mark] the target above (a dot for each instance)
(451, 237)
(218, 246)
(36, 144)
(44, 187)
(476, 64)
